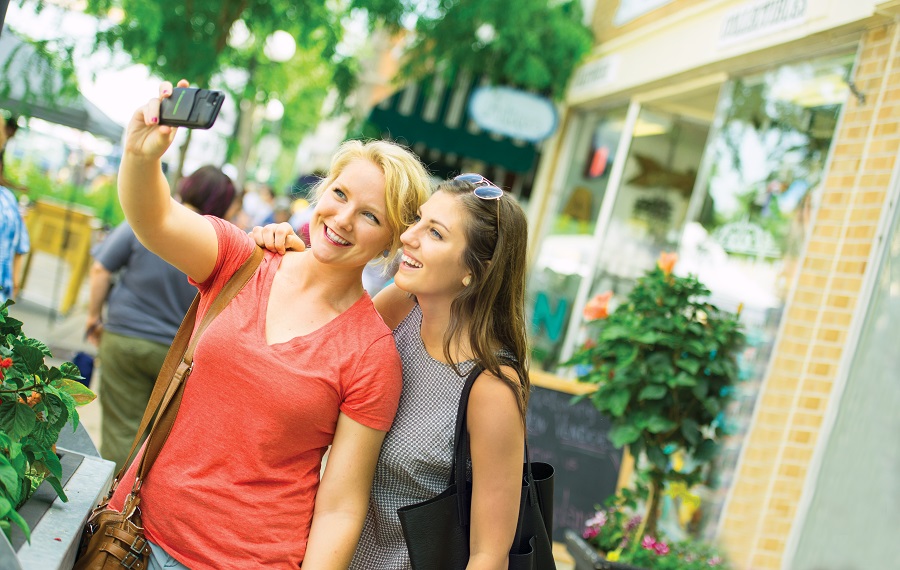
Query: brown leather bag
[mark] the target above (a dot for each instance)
(113, 539)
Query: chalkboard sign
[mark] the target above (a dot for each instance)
(574, 439)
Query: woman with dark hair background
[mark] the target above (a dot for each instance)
(145, 299)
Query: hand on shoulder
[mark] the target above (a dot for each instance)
(393, 304)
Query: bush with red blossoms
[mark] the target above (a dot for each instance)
(36, 402)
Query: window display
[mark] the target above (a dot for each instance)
(565, 251)
(766, 166)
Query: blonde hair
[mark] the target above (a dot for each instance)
(406, 182)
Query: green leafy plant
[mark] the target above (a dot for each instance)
(36, 401)
(665, 362)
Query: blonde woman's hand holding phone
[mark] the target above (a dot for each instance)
(145, 138)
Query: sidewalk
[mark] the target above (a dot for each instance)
(37, 308)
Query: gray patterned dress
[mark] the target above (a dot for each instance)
(414, 464)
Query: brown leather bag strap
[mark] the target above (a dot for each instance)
(182, 350)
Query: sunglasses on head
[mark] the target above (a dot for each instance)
(484, 188)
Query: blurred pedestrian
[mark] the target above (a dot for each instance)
(14, 244)
(145, 300)
(10, 128)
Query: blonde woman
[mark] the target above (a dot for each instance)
(298, 361)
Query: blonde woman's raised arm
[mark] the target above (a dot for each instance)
(165, 227)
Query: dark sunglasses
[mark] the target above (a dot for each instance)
(484, 189)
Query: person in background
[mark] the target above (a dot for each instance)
(258, 204)
(145, 300)
(297, 361)
(457, 301)
(10, 128)
(14, 244)
(14, 241)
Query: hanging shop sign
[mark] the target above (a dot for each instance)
(761, 17)
(513, 113)
(593, 75)
(632, 9)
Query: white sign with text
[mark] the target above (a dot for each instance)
(513, 113)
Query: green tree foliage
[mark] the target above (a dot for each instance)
(190, 39)
(533, 44)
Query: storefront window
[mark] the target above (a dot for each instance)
(652, 201)
(564, 255)
(764, 174)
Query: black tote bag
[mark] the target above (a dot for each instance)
(437, 530)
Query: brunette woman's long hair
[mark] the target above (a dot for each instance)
(493, 304)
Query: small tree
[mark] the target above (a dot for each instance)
(664, 362)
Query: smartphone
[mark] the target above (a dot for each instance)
(191, 107)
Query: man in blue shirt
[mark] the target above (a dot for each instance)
(14, 244)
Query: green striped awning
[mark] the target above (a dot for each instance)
(434, 113)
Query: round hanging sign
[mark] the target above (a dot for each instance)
(513, 113)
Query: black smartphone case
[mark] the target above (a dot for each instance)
(191, 107)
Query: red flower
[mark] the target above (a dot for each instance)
(6, 363)
(598, 307)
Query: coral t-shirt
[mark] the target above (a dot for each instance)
(235, 483)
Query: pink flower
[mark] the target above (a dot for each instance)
(598, 520)
(714, 561)
(589, 533)
(661, 548)
(648, 543)
(633, 523)
(598, 307)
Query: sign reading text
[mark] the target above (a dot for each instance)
(761, 17)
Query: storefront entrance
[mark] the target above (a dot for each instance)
(727, 174)
(624, 200)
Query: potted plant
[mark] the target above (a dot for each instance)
(664, 362)
(36, 402)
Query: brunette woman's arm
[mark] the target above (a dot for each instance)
(497, 442)
(165, 227)
(343, 496)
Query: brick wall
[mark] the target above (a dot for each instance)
(794, 399)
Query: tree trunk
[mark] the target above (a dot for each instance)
(179, 171)
(656, 487)
(245, 140)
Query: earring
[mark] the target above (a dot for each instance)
(467, 280)
(385, 253)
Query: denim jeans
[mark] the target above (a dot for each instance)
(160, 559)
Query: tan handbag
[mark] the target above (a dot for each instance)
(113, 539)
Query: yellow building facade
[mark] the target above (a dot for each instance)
(758, 139)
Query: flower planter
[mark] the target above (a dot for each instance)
(56, 526)
(586, 558)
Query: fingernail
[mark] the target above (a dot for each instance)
(154, 120)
